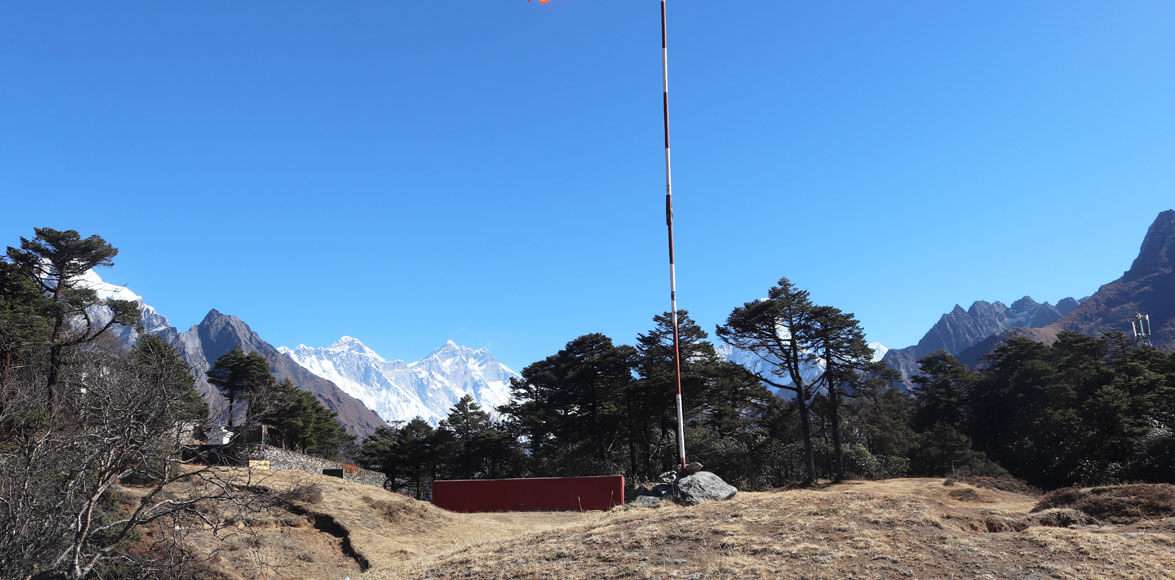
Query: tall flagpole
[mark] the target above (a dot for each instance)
(669, 227)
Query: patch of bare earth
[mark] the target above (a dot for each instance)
(907, 528)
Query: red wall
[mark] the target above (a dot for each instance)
(534, 494)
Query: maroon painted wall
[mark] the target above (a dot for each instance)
(533, 494)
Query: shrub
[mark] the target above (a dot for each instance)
(1119, 504)
(311, 494)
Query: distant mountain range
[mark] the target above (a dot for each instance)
(1147, 287)
(355, 382)
(959, 330)
(365, 389)
(399, 390)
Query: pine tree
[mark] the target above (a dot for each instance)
(650, 406)
(161, 365)
(781, 330)
(415, 452)
(718, 396)
(56, 261)
(941, 390)
(24, 318)
(377, 453)
(237, 375)
(569, 406)
(472, 446)
(840, 341)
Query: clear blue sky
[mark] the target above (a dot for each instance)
(490, 170)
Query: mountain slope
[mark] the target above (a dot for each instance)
(960, 330)
(219, 333)
(151, 321)
(1147, 287)
(400, 391)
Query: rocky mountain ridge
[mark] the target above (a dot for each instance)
(218, 334)
(1147, 287)
(959, 330)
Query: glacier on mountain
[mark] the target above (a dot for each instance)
(400, 391)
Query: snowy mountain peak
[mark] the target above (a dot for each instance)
(400, 391)
(151, 321)
(353, 345)
(453, 350)
(106, 290)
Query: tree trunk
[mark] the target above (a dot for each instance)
(838, 457)
(7, 370)
(632, 458)
(55, 347)
(806, 432)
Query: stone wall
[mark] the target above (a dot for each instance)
(287, 460)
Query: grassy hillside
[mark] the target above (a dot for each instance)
(900, 528)
(890, 529)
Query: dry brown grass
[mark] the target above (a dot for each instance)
(381, 530)
(1001, 484)
(1119, 504)
(905, 528)
(908, 528)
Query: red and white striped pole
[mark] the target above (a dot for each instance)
(669, 226)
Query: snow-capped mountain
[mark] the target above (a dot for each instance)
(400, 391)
(151, 321)
(217, 334)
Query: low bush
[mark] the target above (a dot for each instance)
(1119, 504)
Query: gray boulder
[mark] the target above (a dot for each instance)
(701, 487)
(645, 501)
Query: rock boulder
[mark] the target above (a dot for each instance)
(701, 487)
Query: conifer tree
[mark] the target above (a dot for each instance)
(24, 318)
(56, 261)
(718, 395)
(569, 406)
(162, 365)
(460, 438)
(415, 452)
(781, 330)
(295, 419)
(237, 375)
(840, 341)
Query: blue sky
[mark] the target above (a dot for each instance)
(490, 170)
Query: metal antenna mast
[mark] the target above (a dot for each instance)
(669, 226)
(1141, 325)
